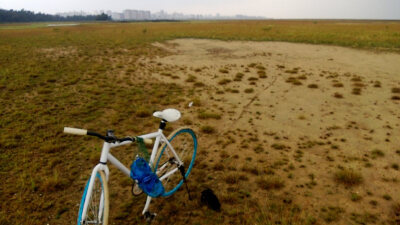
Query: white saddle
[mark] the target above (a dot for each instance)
(170, 115)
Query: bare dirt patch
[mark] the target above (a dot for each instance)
(280, 115)
(58, 52)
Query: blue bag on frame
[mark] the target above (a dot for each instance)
(148, 181)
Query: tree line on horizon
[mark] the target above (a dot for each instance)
(29, 16)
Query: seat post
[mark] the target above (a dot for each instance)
(163, 124)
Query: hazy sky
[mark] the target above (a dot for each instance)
(351, 9)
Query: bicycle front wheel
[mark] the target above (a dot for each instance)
(184, 143)
(98, 206)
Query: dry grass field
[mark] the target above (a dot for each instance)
(289, 133)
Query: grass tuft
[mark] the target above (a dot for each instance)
(270, 182)
(208, 115)
(261, 74)
(238, 77)
(314, 86)
(293, 81)
(224, 81)
(395, 97)
(355, 197)
(348, 177)
(278, 146)
(331, 214)
(143, 112)
(377, 153)
(337, 95)
(248, 90)
(396, 90)
(356, 91)
(223, 71)
(207, 129)
(191, 79)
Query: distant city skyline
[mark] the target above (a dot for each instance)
(133, 14)
(285, 9)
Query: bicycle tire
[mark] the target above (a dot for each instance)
(184, 142)
(99, 186)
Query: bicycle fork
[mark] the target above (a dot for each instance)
(96, 169)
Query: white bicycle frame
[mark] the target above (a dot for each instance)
(107, 156)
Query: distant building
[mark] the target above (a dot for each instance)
(116, 16)
(130, 15)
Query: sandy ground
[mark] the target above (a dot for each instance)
(337, 124)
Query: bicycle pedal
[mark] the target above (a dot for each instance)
(149, 216)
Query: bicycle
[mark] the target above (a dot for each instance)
(172, 165)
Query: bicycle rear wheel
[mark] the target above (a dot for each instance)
(184, 142)
(98, 207)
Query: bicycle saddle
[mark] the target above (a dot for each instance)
(170, 115)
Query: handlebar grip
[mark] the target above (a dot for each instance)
(76, 131)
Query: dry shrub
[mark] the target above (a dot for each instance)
(280, 66)
(336, 84)
(143, 112)
(238, 77)
(337, 95)
(224, 81)
(251, 169)
(199, 84)
(207, 129)
(348, 177)
(356, 91)
(223, 71)
(358, 84)
(394, 97)
(278, 146)
(292, 71)
(293, 81)
(260, 67)
(396, 211)
(232, 178)
(331, 213)
(252, 79)
(356, 79)
(377, 84)
(396, 90)
(54, 183)
(261, 74)
(209, 115)
(270, 182)
(312, 86)
(191, 79)
(219, 166)
(302, 77)
(248, 90)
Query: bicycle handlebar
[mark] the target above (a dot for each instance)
(77, 131)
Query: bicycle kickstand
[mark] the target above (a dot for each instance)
(182, 170)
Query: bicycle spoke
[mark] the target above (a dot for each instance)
(93, 216)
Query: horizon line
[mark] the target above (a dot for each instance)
(214, 15)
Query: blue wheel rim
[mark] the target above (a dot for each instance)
(189, 131)
(84, 197)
